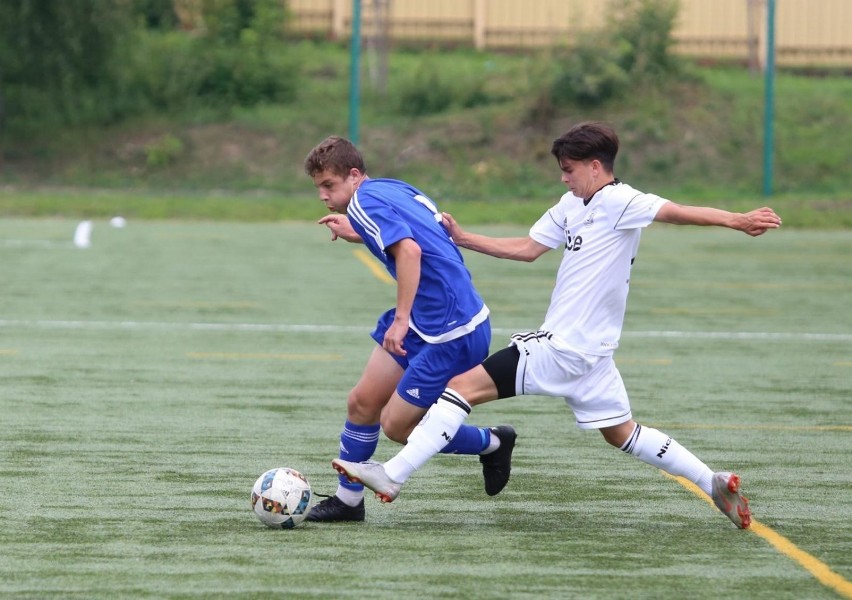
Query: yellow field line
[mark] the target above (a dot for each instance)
(261, 355)
(371, 263)
(644, 361)
(813, 565)
(8, 352)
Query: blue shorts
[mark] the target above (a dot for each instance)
(429, 367)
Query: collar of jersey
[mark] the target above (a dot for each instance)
(589, 199)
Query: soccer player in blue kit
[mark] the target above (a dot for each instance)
(439, 327)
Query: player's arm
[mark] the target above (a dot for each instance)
(406, 254)
(341, 228)
(523, 249)
(754, 223)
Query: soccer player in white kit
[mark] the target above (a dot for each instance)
(598, 223)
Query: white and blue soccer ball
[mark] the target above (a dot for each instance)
(281, 498)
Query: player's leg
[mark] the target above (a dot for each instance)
(402, 414)
(656, 448)
(442, 429)
(441, 424)
(360, 434)
(495, 378)
(430, 372)
(664, 452)
(659, 450)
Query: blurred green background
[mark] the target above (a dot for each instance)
(124, 112)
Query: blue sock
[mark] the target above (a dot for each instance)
(357, 444)
(468, 440)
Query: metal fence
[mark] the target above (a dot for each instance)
(807, 32)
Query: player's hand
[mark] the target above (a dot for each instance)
(394, 337)
(451, 225)
(340, 228)
(759, 221)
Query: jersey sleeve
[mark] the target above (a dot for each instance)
(550, 228)
(640, 211)
(379, 221)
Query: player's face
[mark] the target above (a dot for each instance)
(335, 190)
(581, 176)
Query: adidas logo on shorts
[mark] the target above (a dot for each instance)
(414, 393)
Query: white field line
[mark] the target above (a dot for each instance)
(37, 244)
(318, 328)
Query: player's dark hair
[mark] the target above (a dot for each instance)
(587, 141)
(336, 155)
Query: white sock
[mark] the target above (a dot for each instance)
(348, 496)
(493, 445)
(662, 451)
(435, 430)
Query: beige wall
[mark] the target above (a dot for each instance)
(807, 31)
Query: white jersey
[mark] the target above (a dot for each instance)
(586, 311)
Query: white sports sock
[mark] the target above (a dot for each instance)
(435, 430)
(493, 445)
(664, 452)
(349, 497)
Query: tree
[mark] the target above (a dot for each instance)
(53, 55)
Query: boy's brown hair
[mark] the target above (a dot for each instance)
(587, 141)
(336, 155)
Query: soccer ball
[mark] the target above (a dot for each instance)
(281, 498)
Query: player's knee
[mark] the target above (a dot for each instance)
(617, 435)
(361, 409)
(392, 429)
(611, 439)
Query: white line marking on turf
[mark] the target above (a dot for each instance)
(36, 243)
(159, 325)
(743, 335)
(316, 328)
(262, 355)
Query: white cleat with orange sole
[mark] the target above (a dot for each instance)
(371, 474)
(727, 498)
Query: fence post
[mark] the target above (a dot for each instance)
(479, 24)
(355, 74)
(769, 99)
(337, 26)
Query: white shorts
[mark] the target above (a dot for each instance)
(591, 385)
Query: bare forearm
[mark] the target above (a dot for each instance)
(753, 223)
(677, 214)
(509, 248)
(524, 249)
(407, 279)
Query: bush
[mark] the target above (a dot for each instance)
(93, 62)
(163, 151)
(57, 59)
(426, 92)
(591, 74)
(634, 49)
(643, 28)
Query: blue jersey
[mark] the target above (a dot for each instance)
(385, 211)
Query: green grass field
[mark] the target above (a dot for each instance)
(148, 380)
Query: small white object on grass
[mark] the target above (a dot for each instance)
(118, 222)
(83, 234)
